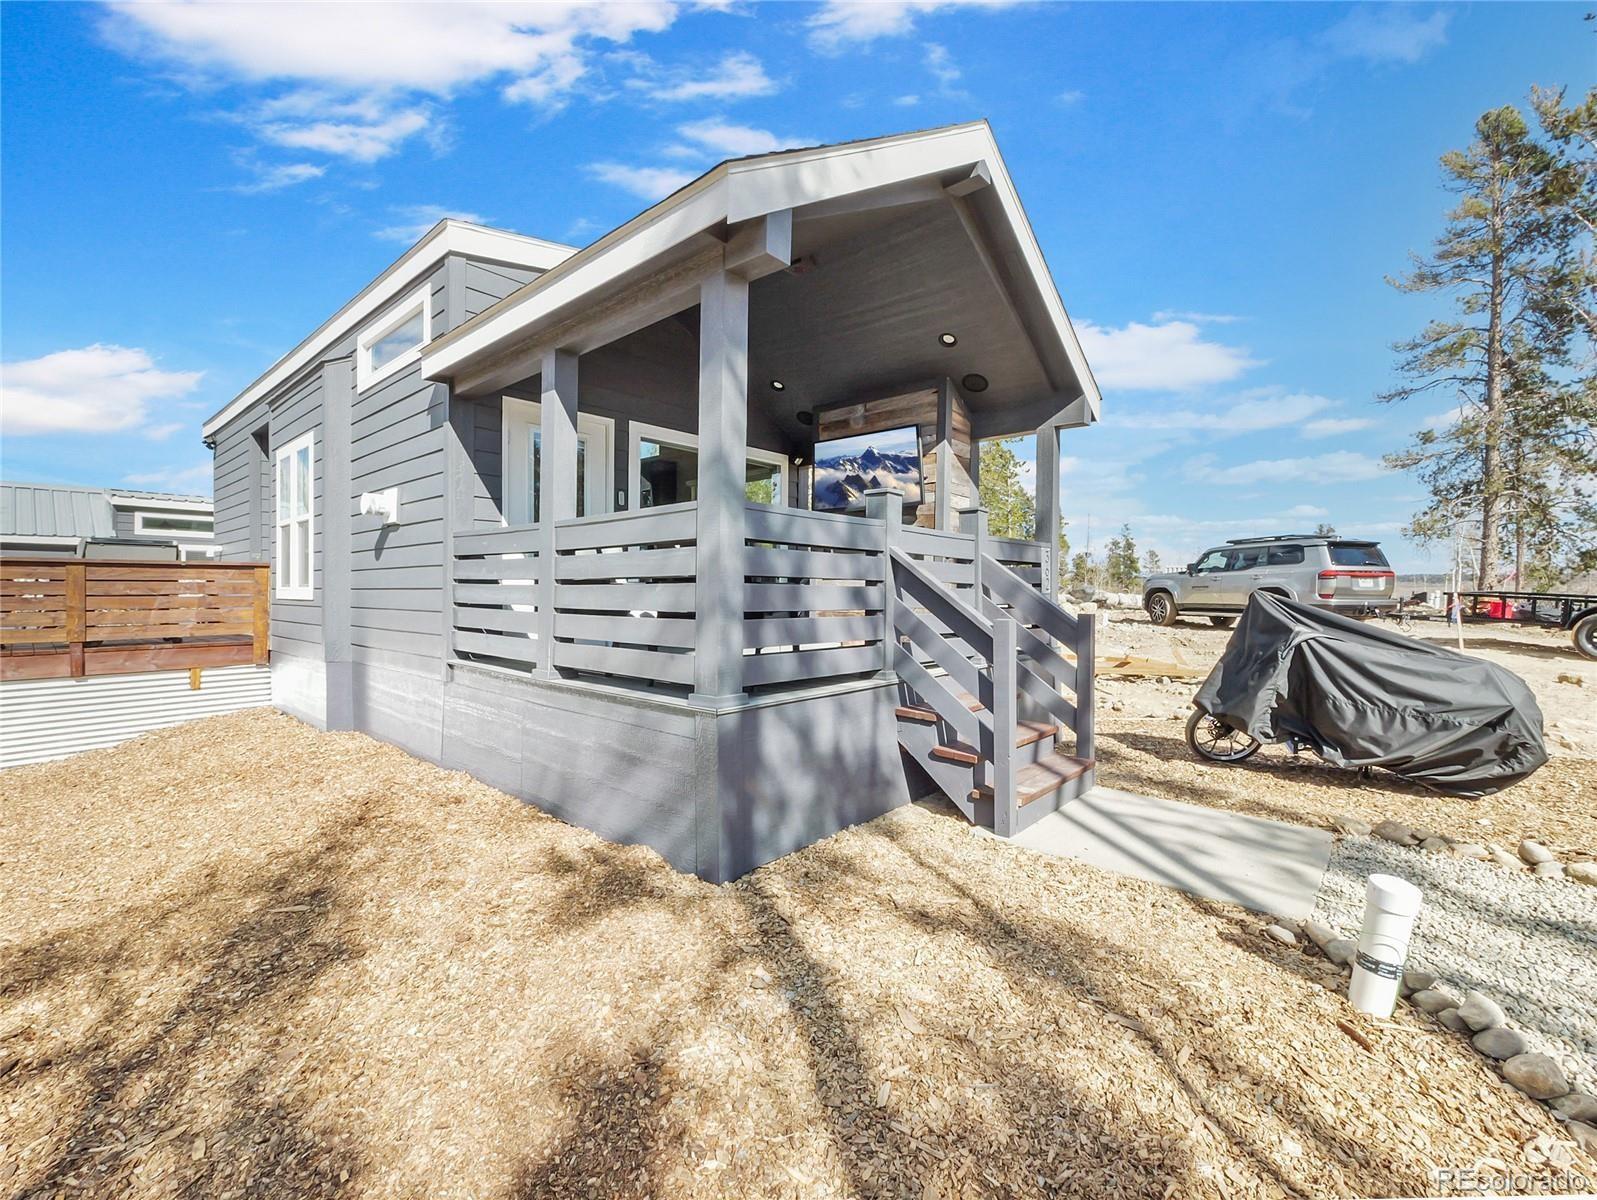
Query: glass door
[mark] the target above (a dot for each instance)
(521, 458)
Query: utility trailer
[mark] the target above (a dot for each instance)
(1563, 610)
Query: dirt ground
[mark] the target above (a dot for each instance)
(241, 958)
(1142, 747)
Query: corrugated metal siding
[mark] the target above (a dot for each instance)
(45, 719)
(40, 510)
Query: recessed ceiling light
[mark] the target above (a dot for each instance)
(974, 383)
(948, 339)
(777, 385)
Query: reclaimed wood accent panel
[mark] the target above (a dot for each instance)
(916, 407)
(62, 618)
(813, 596)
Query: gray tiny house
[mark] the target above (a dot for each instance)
(555, 517)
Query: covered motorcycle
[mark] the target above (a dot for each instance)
(1363, 697)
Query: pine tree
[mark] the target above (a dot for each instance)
(1151, 564)
(1011, 511)
(1325, 529)
(1494, 258)
(1121, 562)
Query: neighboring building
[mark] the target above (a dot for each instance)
(542, 513)
(61, 521)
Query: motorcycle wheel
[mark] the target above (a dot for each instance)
(1211, 738)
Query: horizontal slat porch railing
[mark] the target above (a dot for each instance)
(624, 594)
(494, 596)
(813, 596)
(63, 618)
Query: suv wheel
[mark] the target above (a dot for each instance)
(1161, 608)
(1222, 622)
(1585, 636)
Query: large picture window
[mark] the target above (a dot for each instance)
(664, 466)
(296, 518)
(394, 340)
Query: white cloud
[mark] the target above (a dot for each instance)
(649, 183)
(1306, 510)
(1333, 426)
(1071, 97)
(1341, 466)
(1443, 421)
(732, 140)
(1197, 318)
(360, 141)
(909, 101)
(159, 433)
(361, 49)
(1264, 409)
(276, 177)
(361, 80)
(95, 389)
(841, 23)
(941, 65)
(1386, 33)
(195, 479)
(738, 75)
(1165, 356)
(413, 220)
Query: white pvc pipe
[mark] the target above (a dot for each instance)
(1390, 907)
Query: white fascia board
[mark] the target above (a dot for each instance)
(196, 506)
(15, 540)
(445, 238)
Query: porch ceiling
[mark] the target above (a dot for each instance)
(862, 310)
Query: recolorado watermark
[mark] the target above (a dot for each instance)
(1489, 1181)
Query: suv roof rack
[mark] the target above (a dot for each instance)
(1278, 537)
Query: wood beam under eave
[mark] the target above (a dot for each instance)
(762, 246)
(978, 177)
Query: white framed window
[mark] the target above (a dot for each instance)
(394, 340)
(520, 446)
(166, 524)
(296, 518)
(663, 468)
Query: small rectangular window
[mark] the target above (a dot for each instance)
(161, 523)
(296, 519)
(1285, 556)
(394, 340)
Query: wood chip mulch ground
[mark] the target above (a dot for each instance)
(241, 958)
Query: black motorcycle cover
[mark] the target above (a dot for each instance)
(1365, 697)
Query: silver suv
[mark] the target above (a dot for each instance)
(1347, 575)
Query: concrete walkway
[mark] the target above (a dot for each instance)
(1266, 866)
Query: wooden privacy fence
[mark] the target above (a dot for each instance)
(63, 617)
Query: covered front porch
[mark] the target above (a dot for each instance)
(633, 496)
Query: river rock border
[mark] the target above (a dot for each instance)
(1475, 1016)
(1577, 866)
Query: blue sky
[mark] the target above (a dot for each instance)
(1220, 192)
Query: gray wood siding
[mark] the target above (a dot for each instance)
(397, 573)
(297, 624)
(488, 283)
(237, 470)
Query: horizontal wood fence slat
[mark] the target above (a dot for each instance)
(63, 618)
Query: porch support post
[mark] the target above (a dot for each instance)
(723, 472)
(1048, 507)
(887, 506)
(973, 521)
(943, 501)
(557, 485)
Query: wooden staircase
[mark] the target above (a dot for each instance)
(983, 707)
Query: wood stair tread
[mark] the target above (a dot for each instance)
(1041, 778)
(1026, 732)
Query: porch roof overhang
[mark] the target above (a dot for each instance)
(747, 215)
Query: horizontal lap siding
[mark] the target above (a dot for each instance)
(236, 472)
(488, 283)
(396, 574)
(297, 624)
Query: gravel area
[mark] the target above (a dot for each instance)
(241, 958)
(1528, 943)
